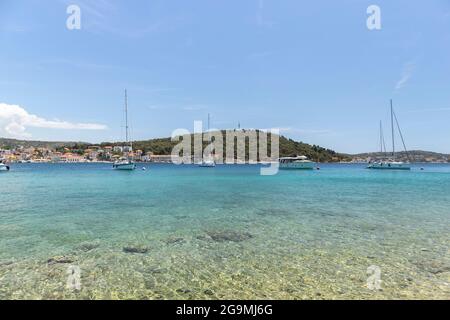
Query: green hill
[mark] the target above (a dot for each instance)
(288, 147)
(15, 143)
(413, 156)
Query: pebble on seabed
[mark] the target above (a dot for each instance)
(60, 260)
(229, 235)
(135, 249)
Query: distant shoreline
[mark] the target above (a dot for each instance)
(170, 163)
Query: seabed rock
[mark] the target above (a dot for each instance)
(433, 266)
(135, 249)
(88, 246)
(229, 236)
(203, 238)
(184, 290)
(208, 292)
(273, 211)
(60, 260)
(155, 270)
(6, 263)
(175, 240)
(290, 290)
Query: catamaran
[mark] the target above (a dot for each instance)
(297, 163)
(208, 162)
(126, 163)
(390, 163)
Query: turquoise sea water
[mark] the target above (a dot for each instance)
(224, 232)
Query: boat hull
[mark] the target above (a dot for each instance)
(298, 166)
(389, 166)
(124, 166)
(4, 168)
(207, 164)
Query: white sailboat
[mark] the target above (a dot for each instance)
(126, 163)
(208, 162)
(390, 163)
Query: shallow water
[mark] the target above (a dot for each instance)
(224, 232)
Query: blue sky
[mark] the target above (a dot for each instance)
(311, 68)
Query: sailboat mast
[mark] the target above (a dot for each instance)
(381, 137)
(126, 116)
(393, 134)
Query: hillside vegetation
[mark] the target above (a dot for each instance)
(288, 147)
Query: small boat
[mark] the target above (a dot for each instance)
(207, 163)
(390, 163)
(126, 163)
(296, 163)
(4, 167)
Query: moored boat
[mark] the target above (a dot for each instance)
(127, 162)
(297, 163)
(124, 165)
(4, 167)
(390, 163)
(207, 163)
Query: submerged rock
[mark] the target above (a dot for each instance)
(60, 260)
(88, 246)
(154, 270)
(272, 212)
(208, 292)
(184, 290)
(175, 240)
(203, 238)
(6, 263)
(135, 249)
(433, 266)
(229, 236)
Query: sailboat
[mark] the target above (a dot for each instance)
(126, 163)
(390, 163)
(208, 162)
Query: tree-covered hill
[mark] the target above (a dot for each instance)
(288, 147)
(6, 143)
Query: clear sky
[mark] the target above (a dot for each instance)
(311, 68)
